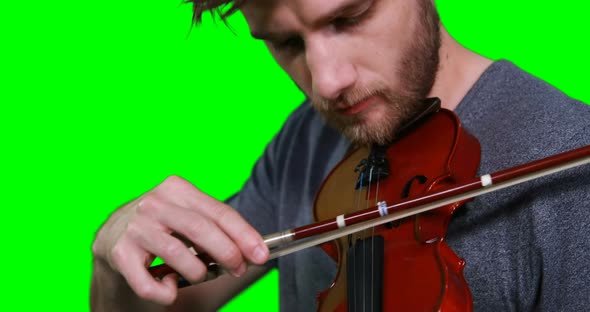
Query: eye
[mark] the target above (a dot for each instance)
(345, 22)
(292, 44)
(354, 17)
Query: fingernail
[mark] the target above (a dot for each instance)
(240, 270)
(260, 254)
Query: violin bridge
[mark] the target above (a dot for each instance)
(374, 168)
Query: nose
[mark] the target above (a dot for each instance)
(330, 69)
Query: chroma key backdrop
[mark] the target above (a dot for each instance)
(102, 100)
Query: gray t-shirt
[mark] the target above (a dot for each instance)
(526, 248)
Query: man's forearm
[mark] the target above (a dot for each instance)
(212, 295)
(110, 292)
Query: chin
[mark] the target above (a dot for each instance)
(376, 126)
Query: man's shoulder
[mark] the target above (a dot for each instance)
(507, 93)
(518, 117)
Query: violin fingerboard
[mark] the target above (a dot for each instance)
(364, 274)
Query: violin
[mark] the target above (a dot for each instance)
(382, 215)
(404, 264)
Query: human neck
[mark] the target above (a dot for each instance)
(458, 71)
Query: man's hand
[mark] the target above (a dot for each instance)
(159, 223)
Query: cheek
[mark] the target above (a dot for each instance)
(298, 71)
(384, 42)
(395, 28)
(295, 67)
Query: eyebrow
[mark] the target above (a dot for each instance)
(272, 36)
(345, 7)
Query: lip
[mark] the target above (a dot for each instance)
(357, 108)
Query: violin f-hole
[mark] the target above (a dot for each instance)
(405, 194)
(406, 191)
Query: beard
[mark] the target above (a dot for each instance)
(417, 70)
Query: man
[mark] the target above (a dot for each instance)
(366, 66)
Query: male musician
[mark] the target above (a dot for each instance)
(366, 66)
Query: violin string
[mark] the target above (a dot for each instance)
(373, 241)
(364, 252)
(354, 238)
(364, 265)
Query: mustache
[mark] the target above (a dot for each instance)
(347, 99)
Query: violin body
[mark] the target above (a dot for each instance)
(417, 271)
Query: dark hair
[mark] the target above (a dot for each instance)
(221, 8)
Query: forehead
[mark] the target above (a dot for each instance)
(268, 14)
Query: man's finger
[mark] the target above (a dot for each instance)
(174, 252)
(206, 236)
(133, 269)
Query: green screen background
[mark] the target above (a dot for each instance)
(100, 101)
